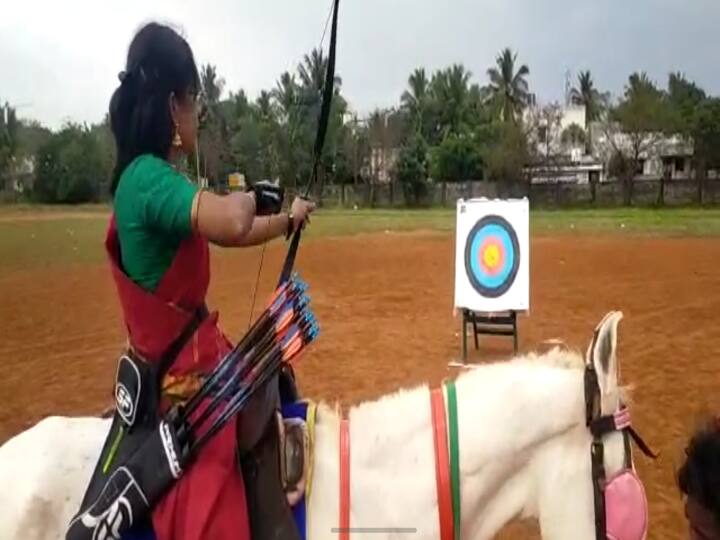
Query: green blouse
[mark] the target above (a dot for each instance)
(153, 213)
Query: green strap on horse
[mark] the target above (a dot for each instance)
(454, 452)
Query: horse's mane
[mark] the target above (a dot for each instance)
(699, 475)
(559, 356)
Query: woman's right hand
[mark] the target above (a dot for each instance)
(300, 211)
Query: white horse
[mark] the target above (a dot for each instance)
(524, 452)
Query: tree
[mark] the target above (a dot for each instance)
(9, 128)
(32, 135)
(507, 158)
(707, 132)
(286, 95)
(312, 72)
(213, 134)
(450, 89)
(212, 85)
(636, 127)
(456, 159)
(706, 136)
(416, 102)
(411, 169)
(509, 89)
(71, 167)
(588, 96)
(684, 98)
(685, 102)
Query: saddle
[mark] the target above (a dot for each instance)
(273, 457)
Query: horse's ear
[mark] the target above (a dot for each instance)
(603, 351)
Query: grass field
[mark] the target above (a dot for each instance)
(42, 236)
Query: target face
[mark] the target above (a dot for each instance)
(492, 256)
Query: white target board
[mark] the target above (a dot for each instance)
(492, 255)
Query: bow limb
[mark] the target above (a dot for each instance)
(323, 121)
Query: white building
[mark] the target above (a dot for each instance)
(658, 152)
(561, 159)
(557, 136)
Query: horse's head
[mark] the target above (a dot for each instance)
(587, 482)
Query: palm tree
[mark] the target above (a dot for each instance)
(415, 99)
(587, 95)
(509, 88)
(312, 71)
(212, 85)
(640, 84)
(285, 95)
(265, 106)
(212, 142)
(451, 92)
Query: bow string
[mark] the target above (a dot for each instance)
(323, 122)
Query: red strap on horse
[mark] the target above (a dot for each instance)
(344, 479)
(442, 464)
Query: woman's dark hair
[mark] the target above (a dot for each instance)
(699, 476)
(159, 62)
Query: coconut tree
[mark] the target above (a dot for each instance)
(509, 88)
(586, 95)
(451, 93)
(416, 100)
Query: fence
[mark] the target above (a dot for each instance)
(645, 192)
(607, 194)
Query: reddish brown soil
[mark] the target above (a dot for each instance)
(385, 306)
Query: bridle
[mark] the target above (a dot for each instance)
(599, 427)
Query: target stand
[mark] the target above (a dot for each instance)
(491, 268)
(501, 324)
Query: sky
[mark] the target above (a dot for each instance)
(59, 60)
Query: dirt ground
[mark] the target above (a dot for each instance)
(384, 302)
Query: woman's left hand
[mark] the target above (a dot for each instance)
(300, 212)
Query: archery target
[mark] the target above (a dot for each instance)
(492, 255)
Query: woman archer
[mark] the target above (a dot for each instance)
(157, 242)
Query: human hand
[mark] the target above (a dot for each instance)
(268, 198)
(300, 211)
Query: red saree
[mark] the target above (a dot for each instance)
(208, 502)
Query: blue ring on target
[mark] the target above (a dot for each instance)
(495, 284)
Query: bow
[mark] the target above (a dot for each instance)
(323, 121)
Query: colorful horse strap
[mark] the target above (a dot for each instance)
(447, 464)
(344, 525)
(442, 464)
(454, 452)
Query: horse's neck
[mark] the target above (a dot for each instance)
(506, 413)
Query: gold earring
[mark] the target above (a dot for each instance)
(177, 140)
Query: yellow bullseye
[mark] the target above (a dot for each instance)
(491, 256)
